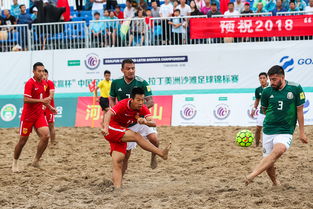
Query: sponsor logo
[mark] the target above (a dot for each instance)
(92, 61)
(287, 63)
(289, 95)
(8, 112)
(119, 89)
(188, 112)
(302, 96)
(72, 63)
(306, 106)
(272, 96)
(59, 112)
(25, 130)
(222, 111)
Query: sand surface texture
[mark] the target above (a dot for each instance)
(205, 170)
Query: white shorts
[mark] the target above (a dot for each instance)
(260, 119)
(270, 140)
(143, 130)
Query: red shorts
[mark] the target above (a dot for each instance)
(114, 137)
(27, 126)
(50, 116)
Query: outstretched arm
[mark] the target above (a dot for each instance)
(300, 117)
(105, 123)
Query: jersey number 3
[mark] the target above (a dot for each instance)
(280, 105)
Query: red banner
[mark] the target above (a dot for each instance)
(161, 111)
(92, 86)
(271, 26)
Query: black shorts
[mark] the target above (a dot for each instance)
(104, 103)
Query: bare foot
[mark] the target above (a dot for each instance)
(248, 181)
(154, 162)
(36, 164)
(15, 168)
(53, 142)
(276, 184)
(165, 151)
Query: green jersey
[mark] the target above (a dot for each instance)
(121, 90)
(281, 108)
(258, 94)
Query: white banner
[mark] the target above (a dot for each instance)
(215, 68)
(222, 110)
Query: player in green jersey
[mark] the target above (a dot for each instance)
(282, 103)
(260, 116)
(121, 89)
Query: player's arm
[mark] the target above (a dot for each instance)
(147, 121)
(264, 100)
(149, 101)
(105, 122)
(52, 109)
(255, 106)
(113, 95)
(96, 93)
(112, 101)
(45, 101)
(300, 117)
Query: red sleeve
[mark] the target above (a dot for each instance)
(28, 89)
(119, 107)
(51, 85)
(145, 111)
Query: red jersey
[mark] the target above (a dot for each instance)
(50, 88)
(119, 15)
(35, 90)
(125, 116)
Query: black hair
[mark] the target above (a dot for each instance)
(46, 71)
(177, 10)
(127, 61)
(229, 3)
(292, 2)
(213, 3)
(96, 13)
(263, 73)
(117, 6)
(37, 64)
(107, 72)
(276, 69)
(22, 5)
(135, 91)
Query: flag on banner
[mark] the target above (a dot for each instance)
(92, 86)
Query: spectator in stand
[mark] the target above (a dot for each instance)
(67, 14)
(24, 18)
(88, 5)
(118, 13)
(111, 28)
(178, 28)
(111, 4)
(53, 2)
(230, 14)
(256, 2)
(97, 30)
(199, 4)
(137, 29)
(79, 5)
(214, 10)
(206, 8)
(129, 11)
(270, 5)
(175, 4)
(143, 5)
(97, 6)
(184, 8)
(52, 14)
(286, 4)
(157, 1)
(194, 10)
(300, 4)
(1, 20)
(106, 15)
(9, 19)
(279, 7)
(166, 11)
(309, 8)
(34, 14)
(15, 9)
(155, 11)
(246, 9)
(292, 7)
(239, 5)
(260, 8)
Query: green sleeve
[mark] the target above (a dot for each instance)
(300, 97)
(113, 89)
(264, 98)
(147, 89)
(257, 95)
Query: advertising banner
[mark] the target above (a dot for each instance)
(86, 111)
(267, 26)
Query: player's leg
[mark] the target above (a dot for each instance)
(131, 136)
(154, 140)
(267, 162)
(43, 132)
(117, 173)
(271, 172)
(258, 135)
(125, 161)
(52, 133)
(25, 130)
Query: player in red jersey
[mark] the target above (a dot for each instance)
(114, 128)
(49, 114)
(33, 115)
